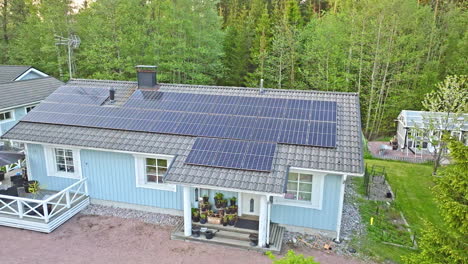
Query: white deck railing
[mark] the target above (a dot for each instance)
(44, 209)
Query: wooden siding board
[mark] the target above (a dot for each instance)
(312, 218)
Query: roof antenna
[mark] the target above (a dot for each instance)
(261, 86)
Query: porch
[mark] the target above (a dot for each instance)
(234, 218)
(233, 236)
(43, 211)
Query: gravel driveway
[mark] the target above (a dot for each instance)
(105, 239)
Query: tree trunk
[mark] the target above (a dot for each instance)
(373, 76)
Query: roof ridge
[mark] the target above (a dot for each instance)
(222, 87)
(35, 79)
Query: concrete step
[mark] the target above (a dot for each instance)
(227, 228)
(229, 235)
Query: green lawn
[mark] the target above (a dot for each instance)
(411, 184)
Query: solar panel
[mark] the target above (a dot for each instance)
(234, 154)
(287, 121)
(78, 95)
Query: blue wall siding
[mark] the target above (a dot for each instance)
(38, 170)
(19, 113)
(111, 176)
(312, 218)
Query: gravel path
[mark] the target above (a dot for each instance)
(147, 217)
(108, 239)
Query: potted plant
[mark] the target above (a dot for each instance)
(205, 207)
(203, 218)
(205, 198)
(253, 239)
(232, 219)
(233, 200)
(221, 211)
(210, 213)
(233, 209)
(225, 220)
(219, 197)
(195, 215)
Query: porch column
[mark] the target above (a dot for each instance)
(340, 207)
(187, 212)
(263, 219)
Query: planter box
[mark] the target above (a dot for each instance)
(214, 220)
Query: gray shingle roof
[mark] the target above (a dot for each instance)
(9, 73)
(345, 158)
(28, 91)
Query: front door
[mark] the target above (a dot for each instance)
(250, 204)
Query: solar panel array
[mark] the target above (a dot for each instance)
(268, 119)
(78, 95)
(234, 154)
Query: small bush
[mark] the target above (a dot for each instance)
(291, 258)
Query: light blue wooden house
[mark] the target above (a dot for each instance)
(21, 89)
(284, 154)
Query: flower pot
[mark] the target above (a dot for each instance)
(253, 239)
(209, 234)
(195, 219)
(205, 199)
(225, 223)
(195, 231)
(203, 220)
(233, 202)
(27, 184)
(232, 222)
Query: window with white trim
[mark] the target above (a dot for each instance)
(299, 187)
(155, 170)
(29, 108)
(304, 189)
(150, 172)
(6, 116)
(63, 162)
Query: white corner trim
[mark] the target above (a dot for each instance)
(140, 172)
(51, 163)
(340, 207)
(12, 116)
(19, 78)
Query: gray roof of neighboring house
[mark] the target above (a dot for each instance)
(9, 73)
(346, 158)
(28, 91)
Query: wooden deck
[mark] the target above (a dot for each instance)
(46, 212)
(40, 225)
(233, 236)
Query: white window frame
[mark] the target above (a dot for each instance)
(140, 173)
(12, 116)
(29, 106)
(318, 182)
(51, 163)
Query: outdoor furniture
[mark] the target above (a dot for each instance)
(12, 191)
(2, 175)
(17, 181)
(383, 149)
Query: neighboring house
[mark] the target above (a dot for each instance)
(284, 154)
(411, 125)
(21, 89)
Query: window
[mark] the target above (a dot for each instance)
(150, 172)
(29, 108)
(155, 170)
(305, 188)
(299, 187)
(6, 116)
(63, 162)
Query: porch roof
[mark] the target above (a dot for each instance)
(345, 158)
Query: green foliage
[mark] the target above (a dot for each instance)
(390, 52)
(448, 244)
(291, 258)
